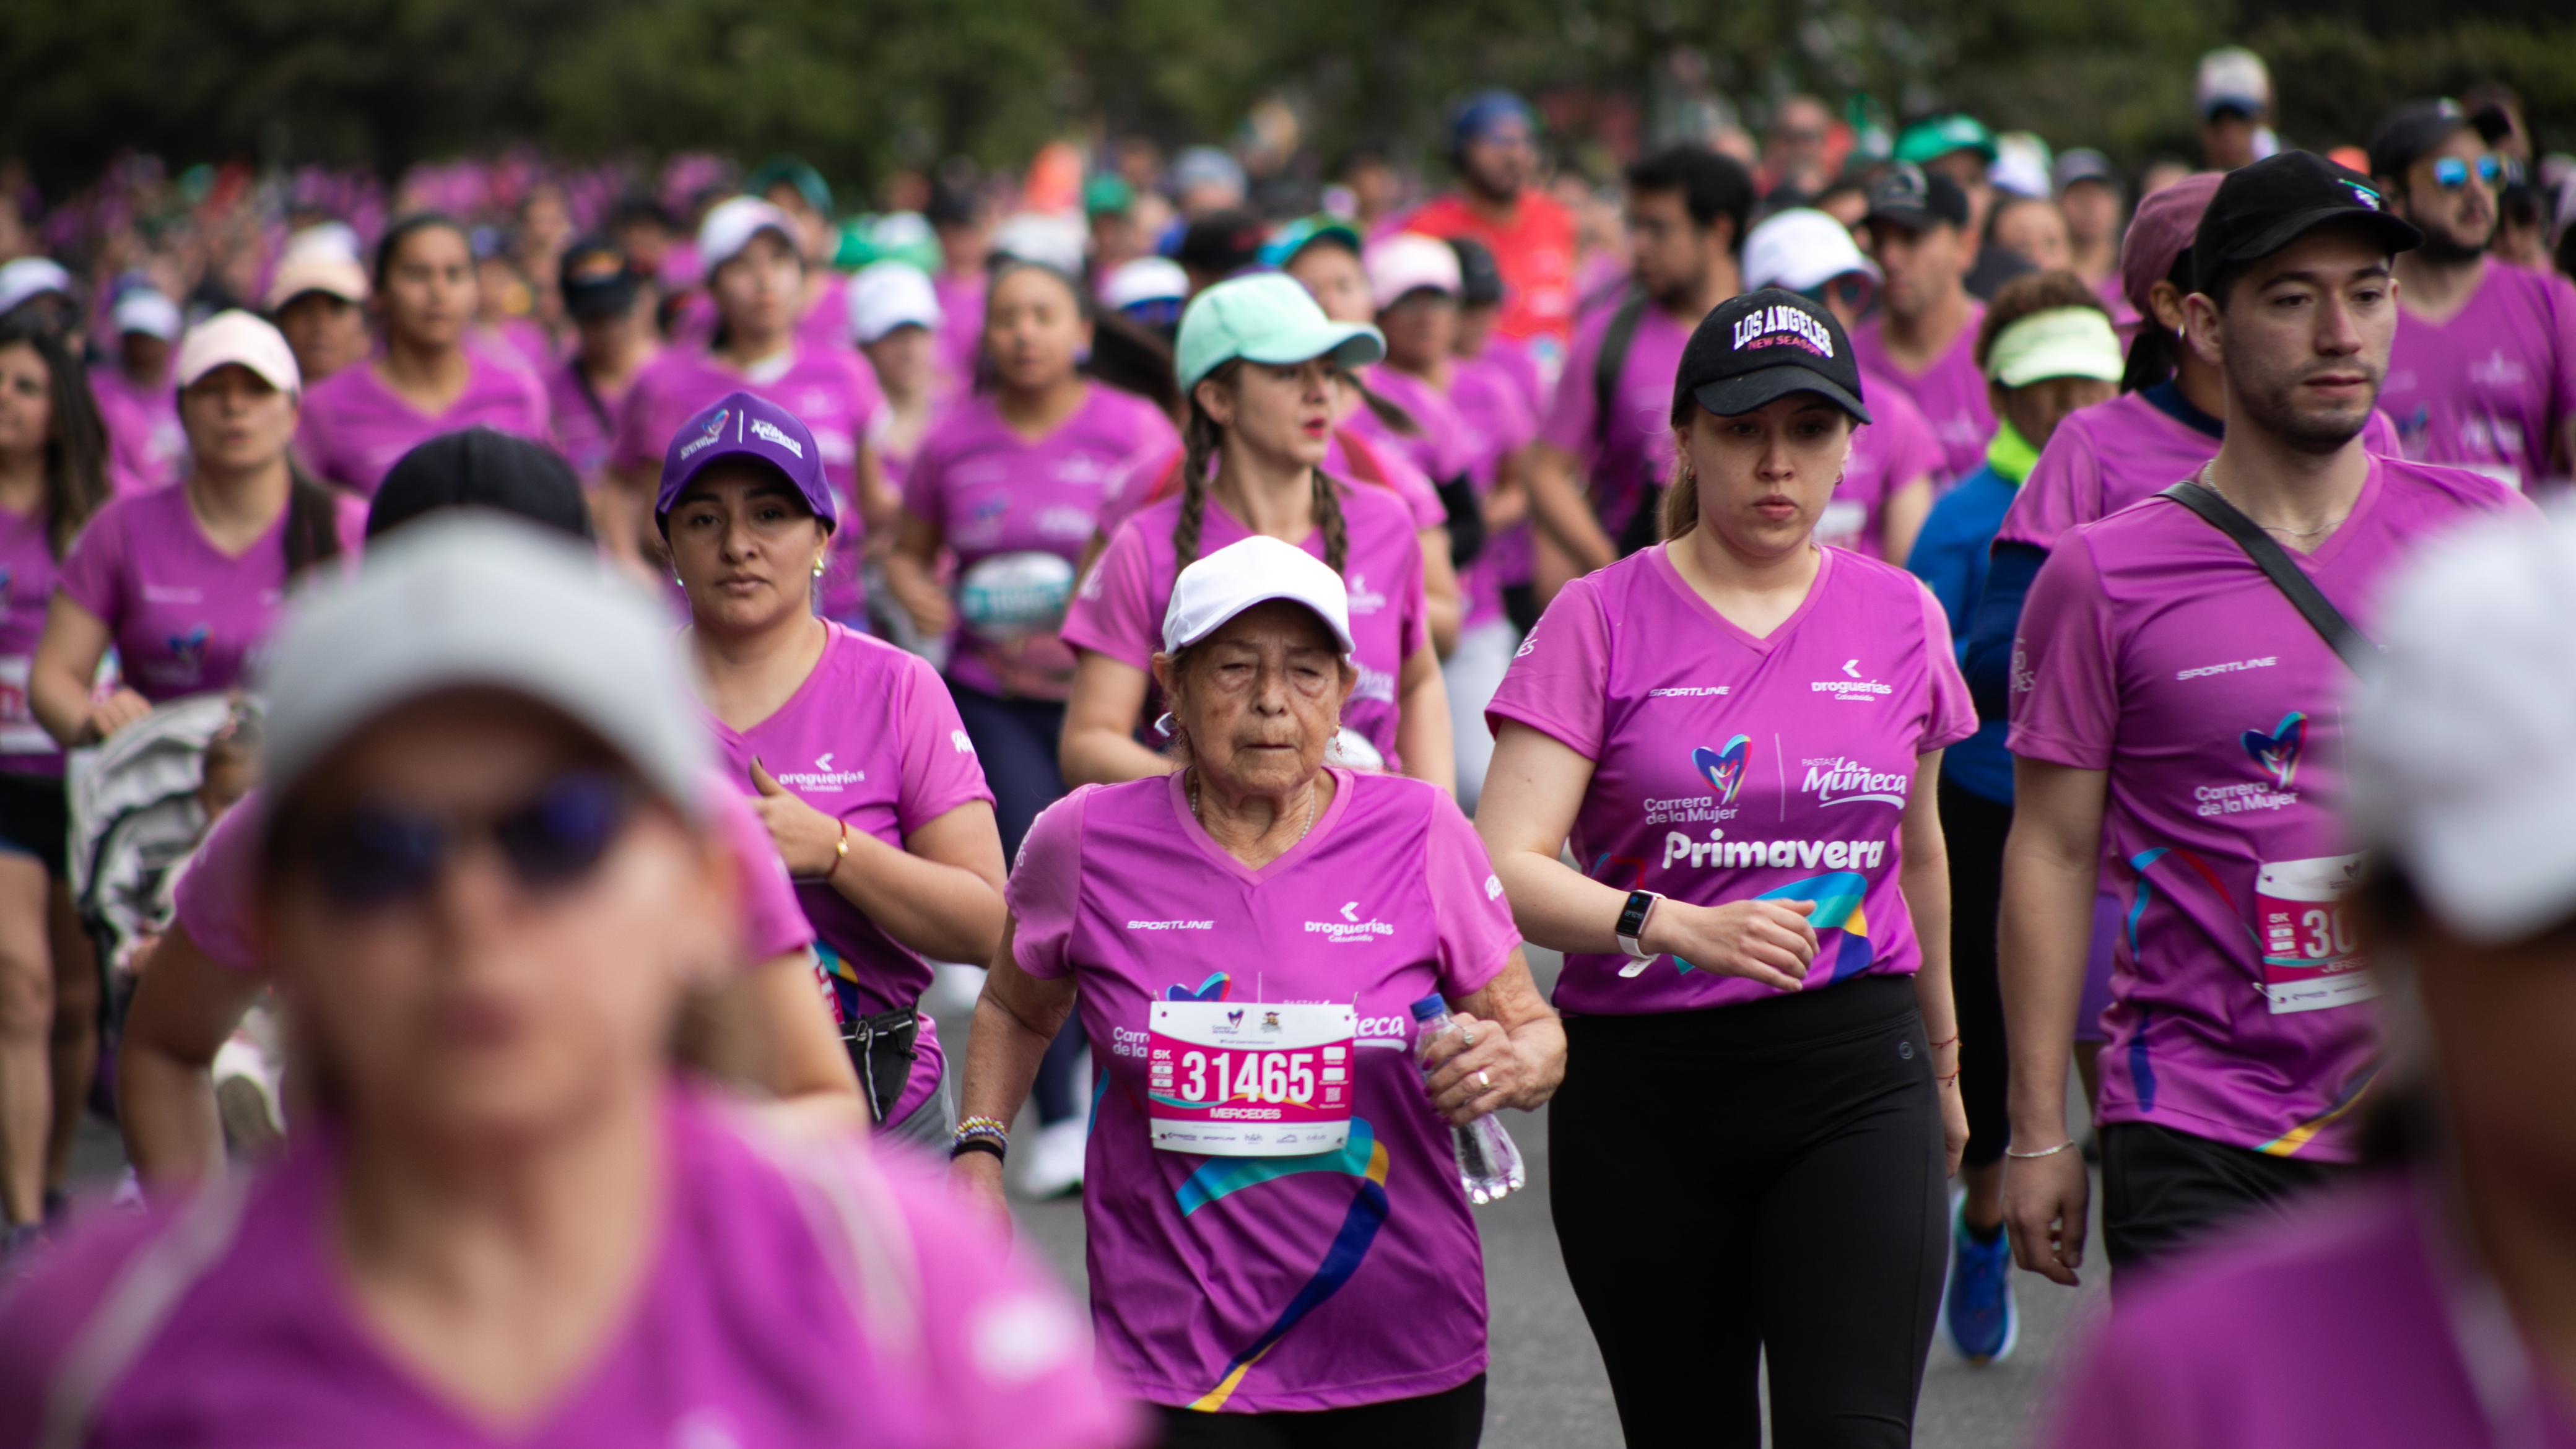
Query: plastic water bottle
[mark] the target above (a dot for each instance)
(1489, 1166)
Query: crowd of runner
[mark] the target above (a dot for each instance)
(1903, 621)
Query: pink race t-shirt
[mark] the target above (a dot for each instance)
(2152, 648)
(1890, 451)
(996, 496)
(585, 420)
(146, 447)
(27, 577)
(1118, 609)
(762, 1320)
(961, 326)
(2493, 387)
(1633, 450)
(1155, 476)
(1266, 1284)
(216, 900)
(2357, 1319)
(1706, 741)
(2103, 458)
(1951, 393)
(832, 393)
(1498, 423)
(872, 739)
(355, 428)
(186, 617)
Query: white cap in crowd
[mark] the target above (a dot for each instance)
(146, 311)
(324, 241)
(1253, 571)
(333, 276)
(2461, 765)
(1410, 262)
(1799, 249)
(445, 604)
(887, 295)
(238, 338)
(1049, 241)
(731, 224)
(1146, 279)
(27, 278)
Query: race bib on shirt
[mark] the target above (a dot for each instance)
(2310, 960)
(1012, 595)
(19, 732)
(1247, 1079)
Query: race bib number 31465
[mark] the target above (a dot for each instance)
(1246, 1079)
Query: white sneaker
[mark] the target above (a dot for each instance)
(955, 989)
(1055, 1160)
(246, 1099)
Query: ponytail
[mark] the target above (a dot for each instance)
(2151, 358)
(1389, 413)
(1681, 494)
(1328, 517)
(312, 520)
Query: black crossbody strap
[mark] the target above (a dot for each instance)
(2347, 642)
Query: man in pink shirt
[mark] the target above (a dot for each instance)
(2174, 717)
(1925, 335)
(2484, 370)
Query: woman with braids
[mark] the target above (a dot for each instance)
(185, 582)
(53, 457)
(427, 381)
(1259, 361)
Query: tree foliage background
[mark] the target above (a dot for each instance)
(859, 86)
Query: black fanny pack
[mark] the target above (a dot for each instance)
(883, 1049)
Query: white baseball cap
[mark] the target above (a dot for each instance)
(324, 241)
(332, 276)
(146, 311)
(446, 603)
(1800, 249)
(233, 338)
(1253, 571)
(888, 295)
(2460, 766)
(731, 224)
(2233, 78)
(1146, 279)
(1049, 241)
(1409, 262)
(28, 278)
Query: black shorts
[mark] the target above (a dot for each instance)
(2162, 1189)
(36, 819)
(1450, 1419)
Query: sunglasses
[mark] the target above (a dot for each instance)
(376, 855)
(2451, 173)
(1851, 289)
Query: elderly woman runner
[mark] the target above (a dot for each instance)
(1245, 937)
(489, 889)
(1740, 731)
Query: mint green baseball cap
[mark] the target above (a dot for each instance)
(1268, 319)
(1941, 135)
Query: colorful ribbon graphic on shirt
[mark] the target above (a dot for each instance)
(1837, 896)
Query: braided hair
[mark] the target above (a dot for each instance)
(1201, 437)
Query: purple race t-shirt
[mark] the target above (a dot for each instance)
(2359, 1319)
(832, 393)
(961, 326)
(2491, 388)
(146, 447)
(2103, 458)
(1890, 451)
(761, 1321)
(872, 739)
(355, 428)
(1262, 1284)
(1634, 448)
(27, 577)
(998, 496)
(1729, 768)
(1155, 476)
(1118, 609)
(217, 898)
(1951, 393)
(1498, 422)
(2152, 648)
(186, 617)
(585, 421)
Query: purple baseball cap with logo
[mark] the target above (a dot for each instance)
(739, 425)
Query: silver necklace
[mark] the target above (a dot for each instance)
(1301, 830)
(2207, 480)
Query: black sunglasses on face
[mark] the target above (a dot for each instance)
(374, 855)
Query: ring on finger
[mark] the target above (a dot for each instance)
(1467, 1034)
(1484, 1080)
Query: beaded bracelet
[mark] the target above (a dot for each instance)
(981, 1134)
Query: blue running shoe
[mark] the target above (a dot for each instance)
(1978, 1311)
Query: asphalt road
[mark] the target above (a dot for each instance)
(1546, 1389)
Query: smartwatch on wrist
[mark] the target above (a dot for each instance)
(1632, 925)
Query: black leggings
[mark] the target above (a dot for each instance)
(1452, 1419)
(1975, 828)
(1756, 1180)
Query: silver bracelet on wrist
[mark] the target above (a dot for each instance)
(2043, 1152)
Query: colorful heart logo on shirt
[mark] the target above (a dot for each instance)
(1215, 988)
(1723, 769)
(2278, 752)
(189, 648)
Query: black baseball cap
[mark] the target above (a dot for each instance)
(2409, 131)
(480, 468)
(1763, 346)
(2262, 208)
(1905, 196)
(596, 280)
(1480, 281)
(1222, 243)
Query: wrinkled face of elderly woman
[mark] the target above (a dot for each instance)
(1260, 699)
